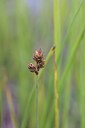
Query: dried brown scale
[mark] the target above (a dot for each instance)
(38, 55)
(37, 59)
(40, 62)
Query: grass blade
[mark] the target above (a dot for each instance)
(57, 37)
(69, 29)
(69, 63)
(82, 72)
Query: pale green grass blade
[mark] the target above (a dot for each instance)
(56, 94)
(50, 117)
(47, 106)
(57, 27)
(69, 29)
(82, 87)
(67, 94)
(82, 72)
(70, 60)
(57, 38)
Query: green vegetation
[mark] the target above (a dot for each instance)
(58, 27)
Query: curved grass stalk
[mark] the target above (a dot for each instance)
(70, 60)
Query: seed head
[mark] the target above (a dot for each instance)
(40, 62)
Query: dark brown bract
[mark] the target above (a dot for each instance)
(32, 68)
(40, 62)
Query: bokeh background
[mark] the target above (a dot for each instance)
(26, 25)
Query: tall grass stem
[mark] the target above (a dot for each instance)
(37, 120)
(56, 94)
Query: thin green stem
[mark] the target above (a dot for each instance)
(37, 120)
(57, 38)
(56, 94)
(0, 107)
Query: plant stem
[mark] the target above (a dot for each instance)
(1, 107)
(57, 38)
(56, 94)
(37, 121)
(25, 116)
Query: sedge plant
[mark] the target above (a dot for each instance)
(49, 55)
(40, 62)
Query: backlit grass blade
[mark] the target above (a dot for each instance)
(67, 94)
(82, 72)
(56, 94)
(69, 29)
(70, 60)
(57, 44)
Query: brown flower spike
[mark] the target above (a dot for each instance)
(40, 62)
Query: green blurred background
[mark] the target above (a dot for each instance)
(26, 25)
